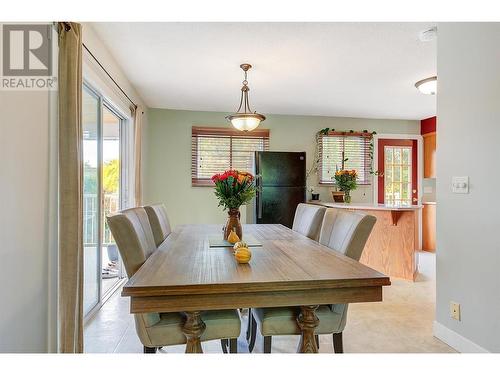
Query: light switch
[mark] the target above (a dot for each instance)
(460, 185)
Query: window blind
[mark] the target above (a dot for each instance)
(214, 150)
(335, 147)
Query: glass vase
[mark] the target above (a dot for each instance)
(233, 223)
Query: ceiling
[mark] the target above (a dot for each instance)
(327, 69)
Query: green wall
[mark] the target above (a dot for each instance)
(167, 164)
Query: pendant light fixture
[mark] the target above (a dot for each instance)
(427, 86)
(245, 120)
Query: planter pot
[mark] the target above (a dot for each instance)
(347, 196)
(233, 223)
(315, 197)
(338, 196)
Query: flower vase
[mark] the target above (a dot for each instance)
(347, 196)
(233, 223)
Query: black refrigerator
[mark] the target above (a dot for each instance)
(281, 186)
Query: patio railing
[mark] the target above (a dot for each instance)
(90, 219)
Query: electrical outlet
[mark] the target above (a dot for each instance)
(455, 310)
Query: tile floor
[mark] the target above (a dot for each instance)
(402, 323)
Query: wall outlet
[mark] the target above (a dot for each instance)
(455, 310)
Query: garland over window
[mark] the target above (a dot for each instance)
(343, 150)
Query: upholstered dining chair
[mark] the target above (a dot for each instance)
(308, 219)
(133, 235)
(158, 218)
(343, 231)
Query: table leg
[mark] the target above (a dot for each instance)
(307, 321)
(193, 329)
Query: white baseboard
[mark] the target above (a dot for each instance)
(456, 341)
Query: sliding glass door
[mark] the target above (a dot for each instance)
(90, 123)
(103, 181)
(111, 177)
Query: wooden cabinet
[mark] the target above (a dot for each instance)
(429, 227)
(430, 155)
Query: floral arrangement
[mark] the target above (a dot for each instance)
(346, 179)
(233, 188)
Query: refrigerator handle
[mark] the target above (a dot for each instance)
(259, 198)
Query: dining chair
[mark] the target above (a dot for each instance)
(132, 232)
(158, 218)
(343, 231)
(308, 219)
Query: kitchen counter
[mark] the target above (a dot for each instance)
(367, 206)
(392, 245)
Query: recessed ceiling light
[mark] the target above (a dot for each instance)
(427, 86)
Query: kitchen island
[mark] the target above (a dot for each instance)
(393, 243)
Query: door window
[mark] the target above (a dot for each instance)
(397, 175)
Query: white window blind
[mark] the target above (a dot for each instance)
(335, 147)
(214, 150)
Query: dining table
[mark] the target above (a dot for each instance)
(187, 274)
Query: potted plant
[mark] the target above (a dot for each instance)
(233, 189)
(314, 196)
(346, 181)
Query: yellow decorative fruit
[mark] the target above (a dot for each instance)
(239, 244)
(233, 237)
(243, 255)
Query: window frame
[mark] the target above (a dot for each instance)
(366, 137)
(222, 132)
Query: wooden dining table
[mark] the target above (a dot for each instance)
(186, 275)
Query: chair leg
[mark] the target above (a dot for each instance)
(338, 345)
(316, 337)
(253, 333)
(267, 344)
(149, 350)
(223, 344)
(233, 345)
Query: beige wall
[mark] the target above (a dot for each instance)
(27, 176)
(468, 247)
(167, 175)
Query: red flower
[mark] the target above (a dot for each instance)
(224, 176)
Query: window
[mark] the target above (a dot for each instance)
(398, 175)
(335, 147)
(214, 150)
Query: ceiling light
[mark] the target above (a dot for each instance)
(246, 120)
(428, 35)
(427, 86)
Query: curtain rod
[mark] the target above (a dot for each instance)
(67, 27)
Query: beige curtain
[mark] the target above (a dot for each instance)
(137, 114)
(70, 189)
